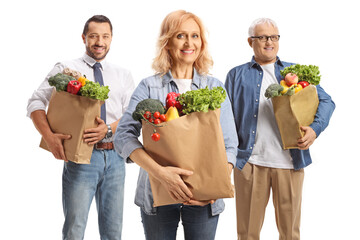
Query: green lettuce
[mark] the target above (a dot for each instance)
(95, 91)
(202, 100)
(308, 73)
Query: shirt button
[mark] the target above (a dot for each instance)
(256, 100)
(253, 132)
(258, 85)
(250, 147)
(260, 73)
(255, 116)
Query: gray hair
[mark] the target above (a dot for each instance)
(260, 21)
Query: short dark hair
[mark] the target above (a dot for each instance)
(98, 19)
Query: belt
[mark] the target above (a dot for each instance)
(104, 146)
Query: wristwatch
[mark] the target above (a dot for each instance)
(109, 132)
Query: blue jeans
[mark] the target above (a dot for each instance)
(197, 221)
(104, 179)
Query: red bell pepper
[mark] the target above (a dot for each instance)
(74, 86)
(172, 102)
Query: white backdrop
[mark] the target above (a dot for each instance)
(37, 34)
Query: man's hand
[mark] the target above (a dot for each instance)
(93, 135)
(308, 139)
(54, 141)
(55, 145)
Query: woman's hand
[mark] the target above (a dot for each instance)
(170, 178)
(193, 202)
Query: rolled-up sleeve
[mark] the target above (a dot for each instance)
(41, 97)
(128, 130)
(324, 112)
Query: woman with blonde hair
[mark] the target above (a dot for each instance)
(182, 64)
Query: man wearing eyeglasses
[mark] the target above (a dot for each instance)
(262, 165)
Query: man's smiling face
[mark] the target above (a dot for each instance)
(98, 40)
(265, 52)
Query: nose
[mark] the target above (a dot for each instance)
(99, 41)
(188, 41)
(268, 41)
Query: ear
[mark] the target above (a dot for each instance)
(84, 38)
(250, 41)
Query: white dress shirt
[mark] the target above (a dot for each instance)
(119, 80)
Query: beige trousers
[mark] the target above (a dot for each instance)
(252, 186)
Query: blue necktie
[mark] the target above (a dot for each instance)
(99, 79)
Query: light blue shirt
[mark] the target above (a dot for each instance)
(128, 130)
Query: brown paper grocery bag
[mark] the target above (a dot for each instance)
(193, 142)
(72, 114)
(294, 111)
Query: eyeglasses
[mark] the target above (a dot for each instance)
(274, 38)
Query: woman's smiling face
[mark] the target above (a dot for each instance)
(185, 46)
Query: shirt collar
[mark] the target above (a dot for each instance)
(197, 77)
(253, 63)
(90, 61)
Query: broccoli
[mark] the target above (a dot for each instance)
(290, 91)
(60, 81)
(152, 105)
(273, 90)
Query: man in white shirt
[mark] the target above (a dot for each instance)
(104, 177)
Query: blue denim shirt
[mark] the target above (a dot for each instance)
(243, 85)
(128, 130)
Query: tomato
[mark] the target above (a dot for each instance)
(151, 120)
(147, 115)
(155, 136)
(157, 121)
(304, 84)
(163, 117)
(156, 115)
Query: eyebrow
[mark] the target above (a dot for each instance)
(99, 34)
(185, 31)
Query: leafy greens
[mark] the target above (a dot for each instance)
(94, 90)
(202, 100)
(308, 73)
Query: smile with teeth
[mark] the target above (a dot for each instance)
(99, 49)
(187, 51)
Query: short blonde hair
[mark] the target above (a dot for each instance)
(162, 62)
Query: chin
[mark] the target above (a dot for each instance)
(97, 57)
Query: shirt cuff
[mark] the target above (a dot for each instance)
(34, 107)
(231, 158)
(317, 128)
